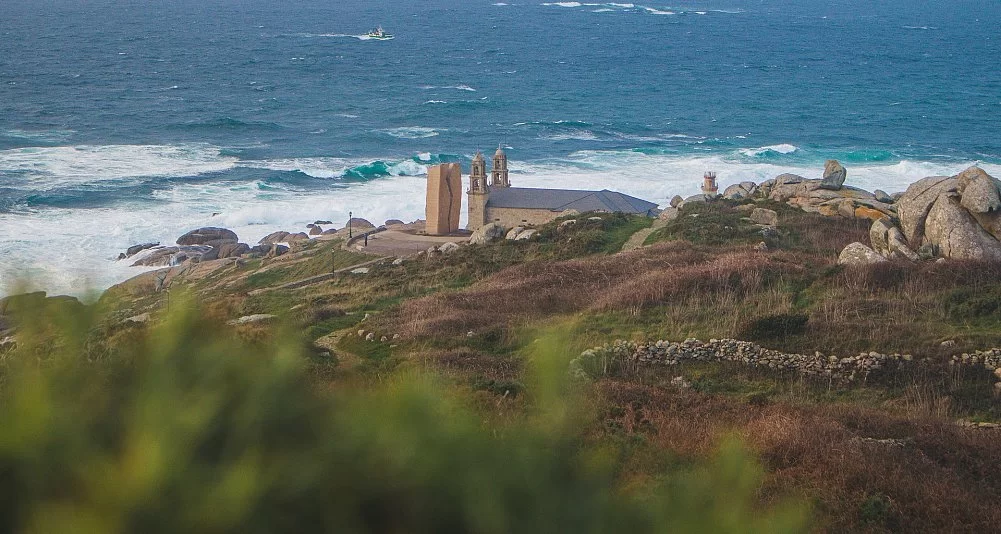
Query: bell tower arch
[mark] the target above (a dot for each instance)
(499, 172)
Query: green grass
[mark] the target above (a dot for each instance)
(326, 258)
(709, 223)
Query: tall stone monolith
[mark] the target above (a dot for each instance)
(444, 199)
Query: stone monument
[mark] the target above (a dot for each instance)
(444, 199)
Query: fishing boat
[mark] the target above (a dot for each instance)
(379, 34)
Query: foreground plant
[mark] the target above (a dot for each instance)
(187, 429)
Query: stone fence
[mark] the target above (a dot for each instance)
(627, 355)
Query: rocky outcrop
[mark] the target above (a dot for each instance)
(859, 254)
(204, 235)
(834, 175)
(171, 256)
(272, 238)
(512, 234)
(676, 201)
(916, 202)
(882, 196)
(669, 214)
(957, 234)
(764, 216)
(394, 222)
(136, 249)
(740, 191)
(979, 191)
(955, 217)
(357, 223)
(487, 233)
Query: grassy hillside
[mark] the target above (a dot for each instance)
(876, 456)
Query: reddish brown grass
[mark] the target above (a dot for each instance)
(638, 279)
(936, 477)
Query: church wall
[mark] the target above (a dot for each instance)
(510, 217)
(477, 209)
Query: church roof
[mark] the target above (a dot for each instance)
(567, 199)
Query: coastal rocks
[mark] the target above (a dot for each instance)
(276, 250)
(357, 223)
(204, 235)
(512, 234)
(677, 201)
(957, 234)
(315, 230)
(136, 249)
(882, 196)
(669, 214)
(272, 238)
(888, 241)
(226, 250)
(764, 217)
(487, 233)
(525, 235)
(296, 237)
(979, 191)
(741, 191)
(448, 248)
(834, 175)
(171, 256)
(393, 222)
(955, 217)
(917, 201)
(859, 254)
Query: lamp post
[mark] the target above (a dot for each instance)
(350, 216)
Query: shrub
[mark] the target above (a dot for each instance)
(774, 327)
(191, 430)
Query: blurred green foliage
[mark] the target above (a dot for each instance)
(185, 428)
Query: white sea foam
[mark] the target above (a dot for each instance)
(563, 4)
(784, 148)
(655, 11)
(411, 132)
(42, 136)
(82, 249)
(50, 167)
(579, 135)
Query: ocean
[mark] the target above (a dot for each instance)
(131, 121)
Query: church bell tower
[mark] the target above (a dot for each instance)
(498, 175)
(478, 194)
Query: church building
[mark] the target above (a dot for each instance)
(508, 206)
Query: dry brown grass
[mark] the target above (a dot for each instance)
(662, 274)
(932, 475)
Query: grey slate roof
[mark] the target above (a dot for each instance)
(566, 199)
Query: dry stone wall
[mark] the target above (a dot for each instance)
(849, 369)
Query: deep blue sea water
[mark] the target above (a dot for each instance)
(134, 120)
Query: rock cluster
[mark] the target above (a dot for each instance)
(493, 231)
(828, 196)
(206, 244)
(956, 217)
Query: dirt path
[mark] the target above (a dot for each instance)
(637, 239)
